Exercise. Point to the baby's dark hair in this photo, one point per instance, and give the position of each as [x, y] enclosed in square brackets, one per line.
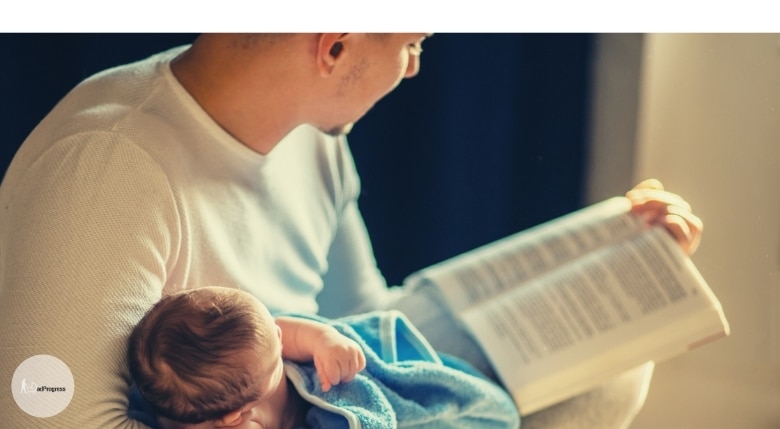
[182, 354]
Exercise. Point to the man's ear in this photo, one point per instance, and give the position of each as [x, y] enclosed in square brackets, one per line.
[231, 419]
[330, 48]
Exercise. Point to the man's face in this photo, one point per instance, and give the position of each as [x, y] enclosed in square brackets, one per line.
[375, 65]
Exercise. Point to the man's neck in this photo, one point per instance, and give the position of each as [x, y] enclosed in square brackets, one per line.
[250, 99]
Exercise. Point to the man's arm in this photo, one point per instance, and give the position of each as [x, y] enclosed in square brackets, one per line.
[353, 283]
[336, 357]
[83, 255]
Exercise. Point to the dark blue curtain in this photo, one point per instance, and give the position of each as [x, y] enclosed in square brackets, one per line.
[489, 139]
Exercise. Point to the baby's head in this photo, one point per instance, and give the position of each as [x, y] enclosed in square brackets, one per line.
[188, 355]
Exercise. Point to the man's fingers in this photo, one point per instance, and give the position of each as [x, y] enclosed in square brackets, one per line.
[679, 230]
[657, 206]
[685, 227]
[650, 184]
[652, 199]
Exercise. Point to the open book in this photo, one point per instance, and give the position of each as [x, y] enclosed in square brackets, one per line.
[571, 303]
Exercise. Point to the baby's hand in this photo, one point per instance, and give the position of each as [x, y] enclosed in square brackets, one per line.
[337, 358]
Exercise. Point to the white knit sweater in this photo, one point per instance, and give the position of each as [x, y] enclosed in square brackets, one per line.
[128, 190]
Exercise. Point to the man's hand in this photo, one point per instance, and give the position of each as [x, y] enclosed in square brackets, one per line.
[337, 358]
[657, 206]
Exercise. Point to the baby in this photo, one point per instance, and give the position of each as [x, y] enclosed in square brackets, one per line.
[212, 358]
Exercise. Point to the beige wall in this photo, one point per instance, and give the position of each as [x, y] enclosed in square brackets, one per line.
[709, 128]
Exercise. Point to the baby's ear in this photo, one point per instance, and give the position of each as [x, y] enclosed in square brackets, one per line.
[231, 419]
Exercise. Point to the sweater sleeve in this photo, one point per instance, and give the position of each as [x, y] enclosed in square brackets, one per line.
[85, 247]
[353, 282]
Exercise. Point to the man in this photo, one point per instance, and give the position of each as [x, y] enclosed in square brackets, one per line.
[219, 164]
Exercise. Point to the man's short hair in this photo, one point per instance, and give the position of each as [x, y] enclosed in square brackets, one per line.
[182, 354]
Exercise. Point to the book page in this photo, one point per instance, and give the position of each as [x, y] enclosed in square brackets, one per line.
[487, 271]
[586, 311]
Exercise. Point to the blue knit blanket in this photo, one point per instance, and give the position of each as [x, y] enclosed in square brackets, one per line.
[406, 384]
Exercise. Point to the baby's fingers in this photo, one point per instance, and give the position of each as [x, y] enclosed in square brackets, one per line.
[360, 360]
[341, 367]
[329, 374]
